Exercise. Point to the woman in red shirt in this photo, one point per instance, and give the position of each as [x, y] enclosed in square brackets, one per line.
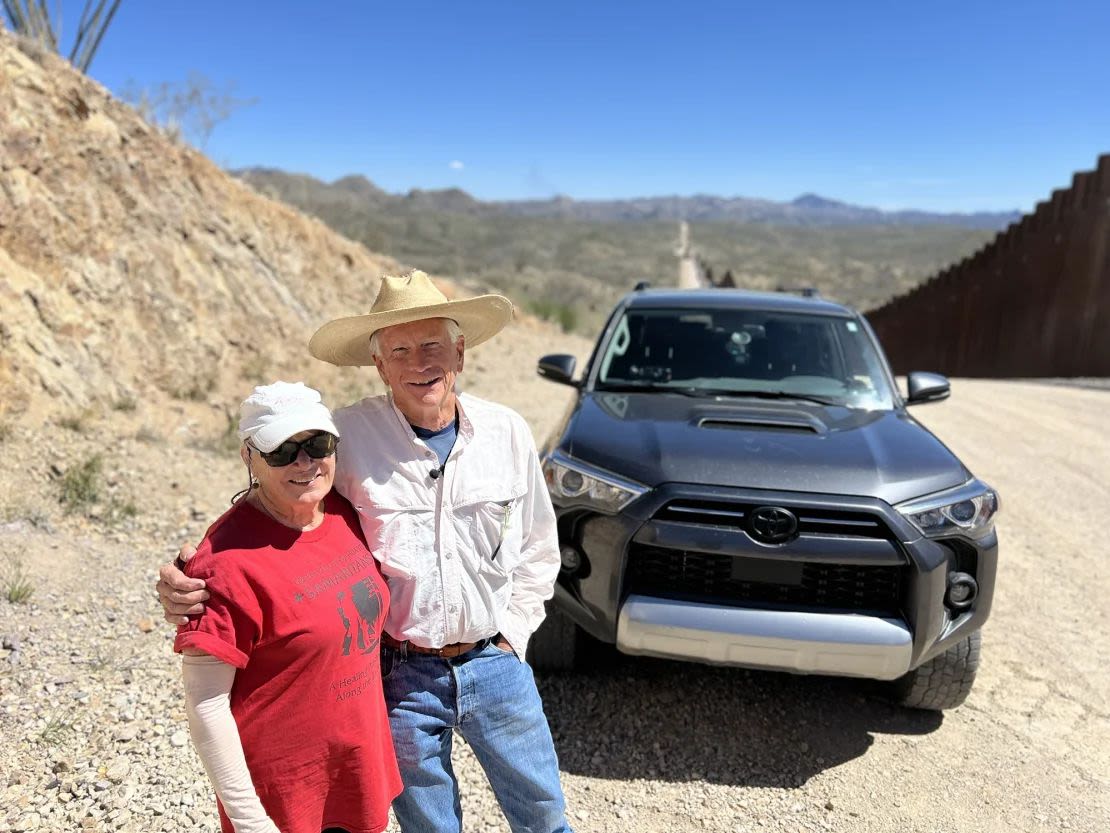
[282, 680]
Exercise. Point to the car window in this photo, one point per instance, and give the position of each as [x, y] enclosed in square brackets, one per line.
[746, 351]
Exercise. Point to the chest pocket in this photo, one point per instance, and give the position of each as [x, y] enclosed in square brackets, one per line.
[493, 520]
[402, 537]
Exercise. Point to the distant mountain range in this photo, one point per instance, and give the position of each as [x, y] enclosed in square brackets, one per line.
[806, 210]
[569, 260]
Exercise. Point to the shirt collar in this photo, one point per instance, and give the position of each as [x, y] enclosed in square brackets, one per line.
[466, 427]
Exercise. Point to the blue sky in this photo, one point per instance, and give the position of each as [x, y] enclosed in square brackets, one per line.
[949, 106]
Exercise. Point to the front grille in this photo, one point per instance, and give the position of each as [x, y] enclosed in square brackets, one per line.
[810, 521]
[770, 582]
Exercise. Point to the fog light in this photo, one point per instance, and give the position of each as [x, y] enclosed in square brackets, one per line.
[962, 590]
[571, 559]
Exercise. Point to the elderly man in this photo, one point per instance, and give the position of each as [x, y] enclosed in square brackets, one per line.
[453, 503]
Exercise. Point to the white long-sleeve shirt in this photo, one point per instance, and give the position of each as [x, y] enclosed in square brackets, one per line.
[467, 554]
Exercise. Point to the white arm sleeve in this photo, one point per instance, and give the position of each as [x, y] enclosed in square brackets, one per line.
[216, 738]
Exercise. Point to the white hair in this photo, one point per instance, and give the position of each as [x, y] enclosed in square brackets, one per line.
[453, 333]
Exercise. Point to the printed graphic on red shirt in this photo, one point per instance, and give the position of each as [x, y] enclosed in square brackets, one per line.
[360, 609]
[366, 600]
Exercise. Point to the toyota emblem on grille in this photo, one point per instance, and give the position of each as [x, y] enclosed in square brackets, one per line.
[773, 524]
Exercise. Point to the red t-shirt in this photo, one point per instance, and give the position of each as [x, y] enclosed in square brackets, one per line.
[300, 615]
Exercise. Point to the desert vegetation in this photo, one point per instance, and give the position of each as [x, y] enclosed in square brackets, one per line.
[15, 580]
[36, 22]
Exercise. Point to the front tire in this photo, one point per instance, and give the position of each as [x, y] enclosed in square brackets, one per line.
[561, 645]
[944, 681]
[554, 645]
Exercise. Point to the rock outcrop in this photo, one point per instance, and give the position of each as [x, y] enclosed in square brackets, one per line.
[133, 269]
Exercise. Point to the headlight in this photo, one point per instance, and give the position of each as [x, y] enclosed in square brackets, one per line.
[574, 482]
[965, 510]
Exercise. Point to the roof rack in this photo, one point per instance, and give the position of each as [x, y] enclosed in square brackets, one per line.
[804, 291]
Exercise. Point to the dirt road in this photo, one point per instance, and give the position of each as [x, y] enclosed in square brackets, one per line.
[94, 736]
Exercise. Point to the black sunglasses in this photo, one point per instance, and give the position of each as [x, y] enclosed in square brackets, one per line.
[318, 446]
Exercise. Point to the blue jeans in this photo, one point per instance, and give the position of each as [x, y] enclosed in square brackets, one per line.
[490, 698]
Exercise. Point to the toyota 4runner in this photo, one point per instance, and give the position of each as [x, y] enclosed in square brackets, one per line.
[739, 482]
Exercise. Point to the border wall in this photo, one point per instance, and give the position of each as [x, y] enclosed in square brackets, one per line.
[1033, 302]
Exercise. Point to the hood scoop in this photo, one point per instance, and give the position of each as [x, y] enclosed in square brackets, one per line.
[794, 423]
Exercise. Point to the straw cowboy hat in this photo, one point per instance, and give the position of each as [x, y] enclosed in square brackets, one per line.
[412, 297]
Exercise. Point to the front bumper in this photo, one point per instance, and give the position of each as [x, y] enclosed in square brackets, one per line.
[784, 640]
[656, 585]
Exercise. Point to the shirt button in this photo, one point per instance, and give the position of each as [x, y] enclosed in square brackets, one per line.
[448, 555]
[452, 609]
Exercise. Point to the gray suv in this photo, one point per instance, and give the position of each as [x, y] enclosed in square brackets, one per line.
[739, 482]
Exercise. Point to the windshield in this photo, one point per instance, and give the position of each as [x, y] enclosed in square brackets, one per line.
[734, 352]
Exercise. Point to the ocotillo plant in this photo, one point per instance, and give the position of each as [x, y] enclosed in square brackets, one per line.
[33, 20]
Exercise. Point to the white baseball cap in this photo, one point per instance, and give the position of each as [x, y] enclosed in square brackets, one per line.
[274, 413]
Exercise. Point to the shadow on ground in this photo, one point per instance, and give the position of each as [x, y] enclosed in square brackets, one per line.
[670, 721]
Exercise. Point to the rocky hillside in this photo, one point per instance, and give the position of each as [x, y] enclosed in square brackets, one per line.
[143, 292]
[134, 270]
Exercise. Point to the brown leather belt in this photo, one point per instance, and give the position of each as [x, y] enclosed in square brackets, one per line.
[446, 652]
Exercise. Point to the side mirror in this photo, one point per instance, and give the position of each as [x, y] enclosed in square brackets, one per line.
[558, 367]
[926, 387]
